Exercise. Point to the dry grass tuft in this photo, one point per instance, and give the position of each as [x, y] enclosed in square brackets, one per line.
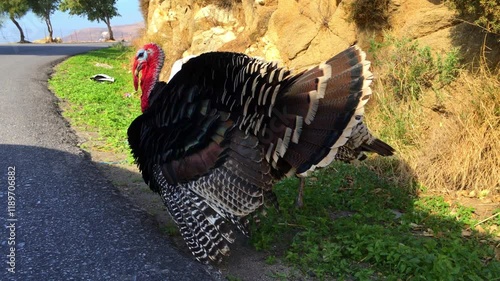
[447, 136]
[225, 4]
[463, 151]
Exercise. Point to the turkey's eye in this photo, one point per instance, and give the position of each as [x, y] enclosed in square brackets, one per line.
[141, 54]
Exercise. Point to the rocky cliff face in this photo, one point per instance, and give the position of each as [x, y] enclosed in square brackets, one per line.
[297, 33]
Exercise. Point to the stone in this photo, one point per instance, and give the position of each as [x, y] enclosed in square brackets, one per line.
[290, 30]
[210, 40]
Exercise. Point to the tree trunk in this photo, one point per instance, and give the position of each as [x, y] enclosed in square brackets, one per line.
[49, 27]
[108, 23]
[20, 29]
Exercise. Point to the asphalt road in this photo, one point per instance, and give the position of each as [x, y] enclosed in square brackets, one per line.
[63, 220]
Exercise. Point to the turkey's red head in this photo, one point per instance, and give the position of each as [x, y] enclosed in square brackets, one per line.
[148, 60]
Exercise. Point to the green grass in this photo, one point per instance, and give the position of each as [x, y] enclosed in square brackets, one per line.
[354, 225]
[105, 109]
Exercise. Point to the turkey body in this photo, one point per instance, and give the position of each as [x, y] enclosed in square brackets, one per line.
[215, 138]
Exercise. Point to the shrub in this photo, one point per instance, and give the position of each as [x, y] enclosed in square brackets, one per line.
[371, 14]
[485, 13]
[411, 69]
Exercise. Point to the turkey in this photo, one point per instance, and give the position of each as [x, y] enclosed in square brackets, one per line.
[226, 127]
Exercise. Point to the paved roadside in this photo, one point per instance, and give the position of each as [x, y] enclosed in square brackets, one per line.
[66, 220]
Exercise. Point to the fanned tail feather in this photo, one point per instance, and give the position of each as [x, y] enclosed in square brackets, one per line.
[330, 100]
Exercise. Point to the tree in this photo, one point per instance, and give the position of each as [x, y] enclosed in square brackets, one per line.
[2, 16]
[43, 9]
[95, 10]
[15, 9]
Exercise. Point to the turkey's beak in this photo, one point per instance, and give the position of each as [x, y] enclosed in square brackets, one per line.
[137, 69]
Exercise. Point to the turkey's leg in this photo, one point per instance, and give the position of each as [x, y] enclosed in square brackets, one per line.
[300, 197]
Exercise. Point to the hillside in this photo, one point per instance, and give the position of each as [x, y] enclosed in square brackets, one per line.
[121, 32]
[302, 33]
[436, 100]
[437, 85]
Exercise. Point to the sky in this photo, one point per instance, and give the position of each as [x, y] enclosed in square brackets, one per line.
[64, 24]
